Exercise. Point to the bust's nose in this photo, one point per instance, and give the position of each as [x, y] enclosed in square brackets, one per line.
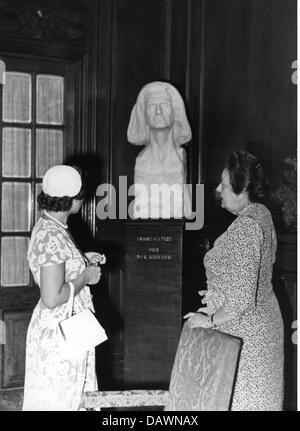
[158, 109]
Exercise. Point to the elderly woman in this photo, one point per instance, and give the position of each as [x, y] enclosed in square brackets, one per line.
[240, 299]
[52, 382]
[158, 121]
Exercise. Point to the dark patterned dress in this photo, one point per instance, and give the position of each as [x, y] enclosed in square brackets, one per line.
[239, 279]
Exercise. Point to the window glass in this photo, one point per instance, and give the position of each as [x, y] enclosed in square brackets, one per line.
[49, 149]
[17, 98]
[14, 266]
[50, 97]
[16, 152]
[15, 207]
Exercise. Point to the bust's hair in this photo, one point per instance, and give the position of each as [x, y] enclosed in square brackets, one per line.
[246, 173]
[138, 130]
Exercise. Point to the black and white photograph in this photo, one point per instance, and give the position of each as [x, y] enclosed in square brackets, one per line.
[148, 209]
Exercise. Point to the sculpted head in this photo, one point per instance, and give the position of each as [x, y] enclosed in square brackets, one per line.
[159, 106]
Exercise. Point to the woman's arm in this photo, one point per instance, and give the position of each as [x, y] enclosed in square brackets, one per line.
[201, 319]
[240, 279]
[55, 291]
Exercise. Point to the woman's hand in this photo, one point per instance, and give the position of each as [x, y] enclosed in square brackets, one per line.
[198, 320]
[96, 258]
[92, 274]
[202, 293]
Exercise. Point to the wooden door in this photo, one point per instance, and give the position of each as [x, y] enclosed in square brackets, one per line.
[36, 127]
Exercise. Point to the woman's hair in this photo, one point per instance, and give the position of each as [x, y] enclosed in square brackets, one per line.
[246, 173]
[64, 203]
[50, 203]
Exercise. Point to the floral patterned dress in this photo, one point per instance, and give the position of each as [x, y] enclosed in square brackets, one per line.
[239, 279]
[51, 382]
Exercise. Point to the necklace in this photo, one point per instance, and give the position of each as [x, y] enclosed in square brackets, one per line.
[65, 226]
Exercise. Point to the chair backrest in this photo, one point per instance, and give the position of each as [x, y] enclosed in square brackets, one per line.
[204, 370]
[202, 377]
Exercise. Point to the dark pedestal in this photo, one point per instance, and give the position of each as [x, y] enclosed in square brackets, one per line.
[142, 310]
[153, 296]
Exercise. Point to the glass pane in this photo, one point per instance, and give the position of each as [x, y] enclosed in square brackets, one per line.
[15, 207]
[14, 267]
[50, 99]
[17, 97]
[38, 189]
[49, 149]
[16, 152]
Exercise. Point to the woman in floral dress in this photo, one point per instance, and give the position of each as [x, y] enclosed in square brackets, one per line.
[239, 297]
[52, 382]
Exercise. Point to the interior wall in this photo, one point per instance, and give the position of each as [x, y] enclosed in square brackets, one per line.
[250, 103]
[250, 100]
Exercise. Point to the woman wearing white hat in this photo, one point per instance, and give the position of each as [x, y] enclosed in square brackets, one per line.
[52, 382]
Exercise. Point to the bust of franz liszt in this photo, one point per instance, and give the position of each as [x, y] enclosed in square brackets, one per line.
[158, 121]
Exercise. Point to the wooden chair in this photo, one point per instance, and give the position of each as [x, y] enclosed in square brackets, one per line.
[202, 377]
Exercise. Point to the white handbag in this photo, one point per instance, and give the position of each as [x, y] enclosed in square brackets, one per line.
[80, 332]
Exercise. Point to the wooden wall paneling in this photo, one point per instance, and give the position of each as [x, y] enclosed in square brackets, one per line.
[55, 30]
[97, 78]
[2, 342]
[194, 85]
[11, 399]
[69, 109]
[250, 100]
[91, 147]
[109, 304]
[139, 42]
[184, 68]
[177, 47]
[103, 52]
[285, 287]
[188, 71]
[16, 324]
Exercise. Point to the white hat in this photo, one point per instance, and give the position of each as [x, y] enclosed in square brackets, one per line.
[62, 180]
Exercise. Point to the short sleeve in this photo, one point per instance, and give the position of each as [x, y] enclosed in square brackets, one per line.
[243, 264]
[49, 248]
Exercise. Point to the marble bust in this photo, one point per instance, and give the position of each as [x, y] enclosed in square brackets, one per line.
[158, 121]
